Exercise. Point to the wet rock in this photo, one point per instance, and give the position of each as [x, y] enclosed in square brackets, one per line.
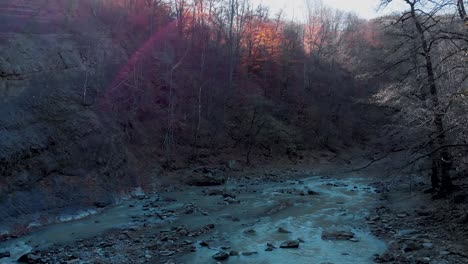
[102, 204]
[270, 247]
[250, 232]
[412, 246]
[249, 253]
[463, 219]
[290, 244]
[220, 256]
[423, 260]
[407, 232]
[206, 177]
[444, 253]
[5, 254]
[402, 215]
[423, 212]
[283, 230]
[167, 253]
[428, 245]
[225, 195]
[204, 243]
[233, 253]
[337, 235]
[230, 217]
[354, 239]
[231, 200]
[214, 192]
[384, 258]
[30, 258]
[310, 192]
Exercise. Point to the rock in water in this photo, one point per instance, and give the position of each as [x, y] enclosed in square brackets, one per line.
[337, 235]
[290, 244]
[29, 258]
[283, 230]
[221, 256]
[384, 258]
[5, 254]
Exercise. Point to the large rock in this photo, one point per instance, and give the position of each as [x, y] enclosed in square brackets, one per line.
[206, 177]
[30, 259]
[221, 256]
[290, 244]
[337, 235]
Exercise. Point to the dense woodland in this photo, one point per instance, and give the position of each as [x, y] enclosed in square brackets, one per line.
[306, 123]
[230, 75]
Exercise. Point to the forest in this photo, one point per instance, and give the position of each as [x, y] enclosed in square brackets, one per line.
[208, 131]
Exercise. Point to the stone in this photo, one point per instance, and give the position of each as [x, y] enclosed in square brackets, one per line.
[249, 253]
[423, 212]
[270, 247]
[402, 215]
[214, 192]
[29, 258]
[428, 245]
[283, 230]
[250, 232]
[310, 192]
[204, 243]
[384, 258]
[412, 246]
[167, 253]
[423, 260]
[290, 244]
[233, 253]
[206, 177]
[5, 254]
[337, 235]
[231, 200]
[221, 256]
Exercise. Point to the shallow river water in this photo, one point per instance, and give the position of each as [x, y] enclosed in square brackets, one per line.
[336, 204]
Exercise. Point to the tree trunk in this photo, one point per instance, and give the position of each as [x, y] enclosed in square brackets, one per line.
[440, 177]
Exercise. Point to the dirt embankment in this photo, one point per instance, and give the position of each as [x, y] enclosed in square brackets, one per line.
[419, 229]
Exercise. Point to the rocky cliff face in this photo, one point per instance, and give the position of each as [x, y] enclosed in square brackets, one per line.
[57, 147]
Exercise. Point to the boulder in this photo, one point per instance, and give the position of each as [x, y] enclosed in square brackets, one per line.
[29, 258]
[221, 256]
[337, 235]
[384, 258]
[5, 254]
[290, 244]
[206, 178]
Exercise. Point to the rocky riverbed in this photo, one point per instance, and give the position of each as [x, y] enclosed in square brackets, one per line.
[417, 228]
[310, 218]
